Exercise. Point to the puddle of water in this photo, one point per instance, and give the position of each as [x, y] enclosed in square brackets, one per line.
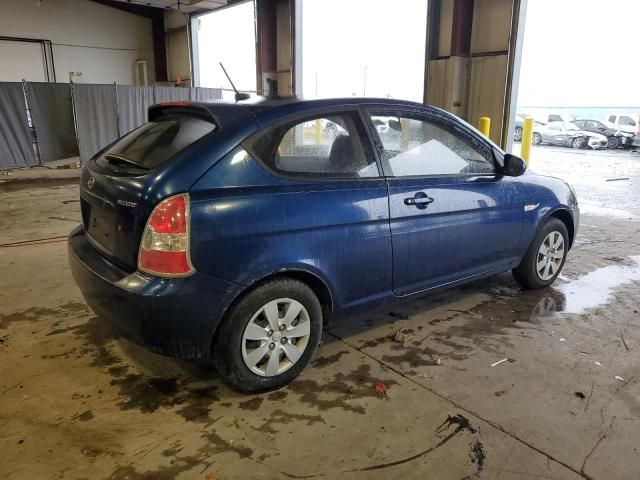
[596, 288]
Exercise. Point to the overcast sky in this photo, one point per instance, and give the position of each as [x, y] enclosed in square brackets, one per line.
[227, 36]
[581, 53]
[386, 38]
[342, 38]
[576, 52]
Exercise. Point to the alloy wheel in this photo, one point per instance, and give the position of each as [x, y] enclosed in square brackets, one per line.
[579, 142]
[276, 337]
[517, 135]
[550, 256]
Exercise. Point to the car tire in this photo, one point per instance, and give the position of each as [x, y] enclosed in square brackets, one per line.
[537, 138]
[579, 142]
[517, 134]
[539, 269]
[237, 344]
[613, 142]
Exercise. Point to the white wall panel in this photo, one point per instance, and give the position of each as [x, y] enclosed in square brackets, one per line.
[101, 42]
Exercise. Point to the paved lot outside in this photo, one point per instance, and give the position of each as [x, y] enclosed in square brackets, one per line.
[77, 401]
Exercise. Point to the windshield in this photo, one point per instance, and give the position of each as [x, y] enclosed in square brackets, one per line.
[569, 126]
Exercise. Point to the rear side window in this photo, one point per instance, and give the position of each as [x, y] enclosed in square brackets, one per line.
[328, 146]
[612, 118]
[155, 142]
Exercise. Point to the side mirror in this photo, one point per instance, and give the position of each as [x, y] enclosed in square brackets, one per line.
[514, 166]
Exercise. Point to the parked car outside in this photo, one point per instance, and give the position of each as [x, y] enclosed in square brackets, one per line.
[552, 116]
[628, 122]
[333, 129]
[567, 134]
[615, 137]
[215, 230]
[517, 133]
[381, 125]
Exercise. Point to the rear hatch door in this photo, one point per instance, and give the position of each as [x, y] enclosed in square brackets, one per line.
[122, 184]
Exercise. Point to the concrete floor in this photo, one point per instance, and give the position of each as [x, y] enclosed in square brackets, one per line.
[77, 402]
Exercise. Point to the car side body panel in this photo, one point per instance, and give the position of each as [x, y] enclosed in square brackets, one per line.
[545, 196]
[472, 227]
[252, 224]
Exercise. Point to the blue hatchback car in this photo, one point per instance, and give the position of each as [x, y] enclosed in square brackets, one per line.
[236, 230]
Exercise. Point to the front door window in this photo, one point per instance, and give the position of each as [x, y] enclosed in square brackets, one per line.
[417, 147]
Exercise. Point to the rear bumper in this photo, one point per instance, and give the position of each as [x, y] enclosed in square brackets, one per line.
[175, 317]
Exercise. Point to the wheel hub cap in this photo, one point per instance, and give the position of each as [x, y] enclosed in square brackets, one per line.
[276, 337]
[550, 256]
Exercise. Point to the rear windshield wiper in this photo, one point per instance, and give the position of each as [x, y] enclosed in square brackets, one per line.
[114, 158]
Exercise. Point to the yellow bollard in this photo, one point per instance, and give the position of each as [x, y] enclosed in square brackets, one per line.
[527, 138]
[484, 125]
[318, 131]
[405, 126]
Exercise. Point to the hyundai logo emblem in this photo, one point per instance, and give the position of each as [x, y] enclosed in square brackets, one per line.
[91, 182]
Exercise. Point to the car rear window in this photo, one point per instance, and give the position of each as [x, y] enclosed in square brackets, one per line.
[155, 142]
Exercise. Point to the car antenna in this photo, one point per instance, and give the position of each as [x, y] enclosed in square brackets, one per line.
[239, 96]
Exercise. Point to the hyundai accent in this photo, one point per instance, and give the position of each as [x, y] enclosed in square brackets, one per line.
[237, 230]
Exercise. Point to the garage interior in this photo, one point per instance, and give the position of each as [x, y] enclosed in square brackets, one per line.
[481, 381]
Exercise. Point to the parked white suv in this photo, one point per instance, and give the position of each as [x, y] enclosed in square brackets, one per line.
[548, 117]
[627, 122]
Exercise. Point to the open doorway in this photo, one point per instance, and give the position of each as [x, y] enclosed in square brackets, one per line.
[578, 81]
[372, 48]
[226, 35]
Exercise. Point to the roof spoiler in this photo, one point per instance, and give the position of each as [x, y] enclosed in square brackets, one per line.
[188, 108]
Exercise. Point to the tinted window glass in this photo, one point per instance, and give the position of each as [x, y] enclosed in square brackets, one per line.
[420, 147]
[332, 146]
[155, 142]
[612, 118]
[627, 121]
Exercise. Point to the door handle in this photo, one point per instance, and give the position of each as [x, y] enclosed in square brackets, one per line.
[420, 200]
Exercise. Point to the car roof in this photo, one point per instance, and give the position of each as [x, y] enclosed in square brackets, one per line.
[268, 109]
[261, 103]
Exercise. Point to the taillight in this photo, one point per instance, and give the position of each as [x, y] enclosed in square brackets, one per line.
[164, 248]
